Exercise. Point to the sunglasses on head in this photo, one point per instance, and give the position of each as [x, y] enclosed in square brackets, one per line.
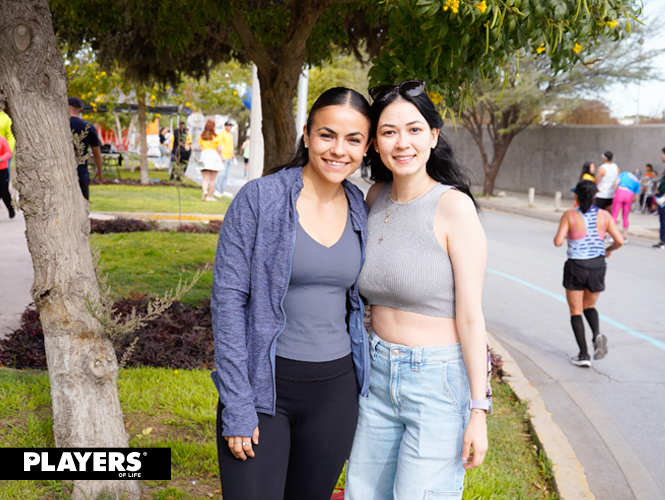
[411, 88]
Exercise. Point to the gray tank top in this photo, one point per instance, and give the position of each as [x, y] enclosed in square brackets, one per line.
[315, 302]
[407, 269]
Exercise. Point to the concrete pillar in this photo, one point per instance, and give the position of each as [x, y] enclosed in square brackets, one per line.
[255, 165]
[303, 89]
[532, 196]
[557, 201]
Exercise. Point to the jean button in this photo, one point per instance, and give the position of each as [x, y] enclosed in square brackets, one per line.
[395, 352]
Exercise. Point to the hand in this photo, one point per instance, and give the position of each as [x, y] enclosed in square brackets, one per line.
[99, 177]
[241, 447]
[475, 436]
[608, 253]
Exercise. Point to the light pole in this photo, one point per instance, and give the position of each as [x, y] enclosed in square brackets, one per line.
[639, 82]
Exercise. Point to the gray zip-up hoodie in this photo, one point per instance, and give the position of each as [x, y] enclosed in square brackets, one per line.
[251, 277]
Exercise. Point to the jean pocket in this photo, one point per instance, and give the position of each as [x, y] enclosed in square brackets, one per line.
[456, 383]
[449, 495]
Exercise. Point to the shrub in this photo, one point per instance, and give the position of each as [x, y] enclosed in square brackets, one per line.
[180, 338]
[25, 346]
[213, 227]
[120, 225]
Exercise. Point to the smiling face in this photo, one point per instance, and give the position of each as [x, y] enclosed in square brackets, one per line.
[337, 140]
[404, 139]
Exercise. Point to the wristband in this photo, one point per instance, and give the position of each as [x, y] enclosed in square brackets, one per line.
[480, 404]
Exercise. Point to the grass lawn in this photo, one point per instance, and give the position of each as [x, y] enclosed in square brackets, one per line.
[161, 199]
[176, 409]
[153, 262]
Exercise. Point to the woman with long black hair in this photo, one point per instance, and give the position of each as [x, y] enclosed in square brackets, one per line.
[423, 424]
[291, 352]
[584, 272]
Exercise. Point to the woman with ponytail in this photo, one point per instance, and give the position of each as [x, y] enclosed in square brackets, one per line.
[584, 272]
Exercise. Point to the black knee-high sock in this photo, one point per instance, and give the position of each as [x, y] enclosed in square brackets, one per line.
[578, 328]
[591, 316]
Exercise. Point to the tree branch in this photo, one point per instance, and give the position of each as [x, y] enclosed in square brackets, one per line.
[254, 50]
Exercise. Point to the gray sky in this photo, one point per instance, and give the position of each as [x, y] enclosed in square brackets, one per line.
[622, 99]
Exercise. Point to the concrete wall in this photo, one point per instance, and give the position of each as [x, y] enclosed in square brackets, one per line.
[549, 159]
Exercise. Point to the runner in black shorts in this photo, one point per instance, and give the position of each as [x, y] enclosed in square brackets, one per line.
[584, 272]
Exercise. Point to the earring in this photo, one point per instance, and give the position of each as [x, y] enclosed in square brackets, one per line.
[305, 145]
[365, 154]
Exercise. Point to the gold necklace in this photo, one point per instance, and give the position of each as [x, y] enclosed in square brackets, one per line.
[388, 215]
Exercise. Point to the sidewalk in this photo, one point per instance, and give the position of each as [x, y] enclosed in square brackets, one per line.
[641, 225]
[16, 272]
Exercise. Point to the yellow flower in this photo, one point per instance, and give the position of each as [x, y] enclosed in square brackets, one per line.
[158, 115]
[187, 104]
[482, 6]
[452, 5]
[152, 96]
[103, 73]
[611, 24]
[175, 372]
[577, 48]
[435, 97]
[541, 49]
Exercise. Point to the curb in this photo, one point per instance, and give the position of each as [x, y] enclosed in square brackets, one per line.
[639, 232]
[569, 477]
[156, 216]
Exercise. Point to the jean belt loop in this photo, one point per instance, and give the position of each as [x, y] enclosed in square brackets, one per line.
[374, 340]
[416, 358]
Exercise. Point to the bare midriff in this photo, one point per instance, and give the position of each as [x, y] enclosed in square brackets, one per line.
[413, 329]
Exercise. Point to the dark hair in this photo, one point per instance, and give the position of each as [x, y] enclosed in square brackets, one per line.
[208, 133]
[586, 192]
[337, 96]
[586, 169]
[650, 165]
[663, 150]
[442, 165]
[608, 155]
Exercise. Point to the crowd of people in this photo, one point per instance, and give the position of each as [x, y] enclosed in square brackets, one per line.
[600, 195]
[619, 191]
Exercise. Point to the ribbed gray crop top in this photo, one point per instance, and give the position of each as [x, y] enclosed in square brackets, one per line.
[408, 269]
[315, 302]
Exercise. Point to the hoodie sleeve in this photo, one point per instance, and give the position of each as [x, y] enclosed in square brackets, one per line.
[5, 150]
[230, 294]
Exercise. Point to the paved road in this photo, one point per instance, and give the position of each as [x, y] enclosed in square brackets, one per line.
[612, 413]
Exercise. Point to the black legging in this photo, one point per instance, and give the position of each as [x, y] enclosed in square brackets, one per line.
[4, 190]
[301, 449]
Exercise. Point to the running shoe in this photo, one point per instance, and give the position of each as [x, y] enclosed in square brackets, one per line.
[659, 246]
[584, 362]
[600, 345]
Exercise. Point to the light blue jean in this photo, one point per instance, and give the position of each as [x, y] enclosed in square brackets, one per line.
[408, 443]
[223, 176]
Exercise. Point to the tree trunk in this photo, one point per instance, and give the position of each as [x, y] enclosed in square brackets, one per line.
[500, 144]
[278, 124]
[278, 71]
[81, 361]
[143, 140]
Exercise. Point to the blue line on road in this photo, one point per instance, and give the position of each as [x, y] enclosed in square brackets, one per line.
[612, 322]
